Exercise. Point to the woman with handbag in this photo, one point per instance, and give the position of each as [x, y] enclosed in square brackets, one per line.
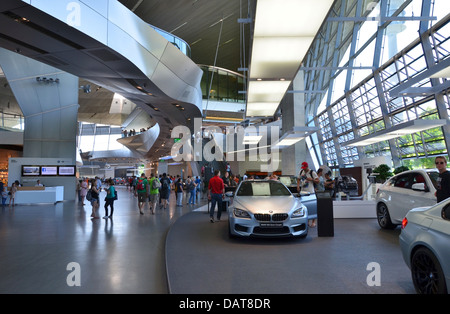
[111, 196]
[94, 198]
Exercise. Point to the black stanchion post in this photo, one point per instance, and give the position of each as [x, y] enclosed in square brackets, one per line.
[325, 218]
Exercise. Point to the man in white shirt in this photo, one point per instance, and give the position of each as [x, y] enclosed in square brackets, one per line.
[306, 179]
[305, 182]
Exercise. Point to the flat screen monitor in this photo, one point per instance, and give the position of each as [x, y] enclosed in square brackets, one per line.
[49, 170]
[66, 170]
[29, 171]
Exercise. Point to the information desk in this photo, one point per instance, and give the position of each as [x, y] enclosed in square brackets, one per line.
[36, 195]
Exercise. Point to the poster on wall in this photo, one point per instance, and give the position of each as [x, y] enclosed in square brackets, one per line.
[31, 171]
[66, 170]
[49, 170]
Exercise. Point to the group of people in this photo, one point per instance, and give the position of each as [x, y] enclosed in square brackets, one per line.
[311, 181]
[11, 193]
[90, 190]
[156, 191]
[132, 132]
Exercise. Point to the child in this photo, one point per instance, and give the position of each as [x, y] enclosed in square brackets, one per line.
[13, 193]
[4, 195]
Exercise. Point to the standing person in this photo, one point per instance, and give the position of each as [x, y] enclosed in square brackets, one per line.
[179, 189]
[226, 179]
[329, 183]
[216, 191]
[12, 193]
[192, 187]
[198, 182]
[4, 194]
[154, 184]
[98, 184]
[83, 191]
[320, 187]
[109, 199]
[95, 200]
[306, 179]
[443, 181]
[141, 192]
[165, 190]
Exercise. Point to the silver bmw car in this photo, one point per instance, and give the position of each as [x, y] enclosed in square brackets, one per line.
[425, 245]
[266, 208]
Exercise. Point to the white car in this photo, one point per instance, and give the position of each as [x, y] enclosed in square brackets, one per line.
[425, 245]
[403, 192]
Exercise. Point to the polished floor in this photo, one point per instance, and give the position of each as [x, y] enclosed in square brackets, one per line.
[360, 259]
[179, 251]
[120, 255]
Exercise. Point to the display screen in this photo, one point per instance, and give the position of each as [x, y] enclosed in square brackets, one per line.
[31, 171]
[66, 170]
[49, 170]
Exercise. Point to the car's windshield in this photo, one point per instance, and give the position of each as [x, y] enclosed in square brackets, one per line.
[262, 188]
[433, 176]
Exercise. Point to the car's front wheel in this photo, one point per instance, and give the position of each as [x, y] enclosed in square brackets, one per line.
[427, 274]
[383, 217]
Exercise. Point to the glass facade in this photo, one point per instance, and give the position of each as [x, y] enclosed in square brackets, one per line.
[12, 121]
[373, 65]
[225, 85]
[96, 137]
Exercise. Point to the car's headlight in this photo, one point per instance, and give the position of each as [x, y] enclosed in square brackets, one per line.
[240, 213]
[301, 212]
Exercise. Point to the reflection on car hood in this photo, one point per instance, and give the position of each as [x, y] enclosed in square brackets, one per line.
[264, 204]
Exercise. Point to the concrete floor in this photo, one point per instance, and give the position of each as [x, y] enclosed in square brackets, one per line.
[123, 255]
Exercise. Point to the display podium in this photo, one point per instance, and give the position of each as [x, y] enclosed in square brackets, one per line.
[325, 219]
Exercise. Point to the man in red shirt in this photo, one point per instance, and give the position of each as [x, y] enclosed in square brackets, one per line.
[216, 191]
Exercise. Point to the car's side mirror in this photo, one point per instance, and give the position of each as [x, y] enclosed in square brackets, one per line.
[446, 212]
[419, 187]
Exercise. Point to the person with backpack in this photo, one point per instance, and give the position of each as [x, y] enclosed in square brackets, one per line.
[153, 186]
[165, 190]
[191, 187]
[141, 192]
[307, 178]
[306, 181]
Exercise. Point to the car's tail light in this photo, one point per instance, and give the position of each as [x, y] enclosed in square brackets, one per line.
[404, 223]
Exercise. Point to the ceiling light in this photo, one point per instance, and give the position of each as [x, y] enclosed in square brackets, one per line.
[282, 37]
[295, 135]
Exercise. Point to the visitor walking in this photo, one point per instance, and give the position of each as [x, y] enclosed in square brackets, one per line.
[165, 190]
[111, 196]
[179, 189]
[154, 184]
[141, 192]
[216, 191]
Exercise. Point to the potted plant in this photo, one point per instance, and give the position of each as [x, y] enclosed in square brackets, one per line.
[384, 172]
[400, 169]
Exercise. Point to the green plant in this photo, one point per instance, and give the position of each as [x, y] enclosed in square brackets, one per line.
[400, 169]
[384, 172]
